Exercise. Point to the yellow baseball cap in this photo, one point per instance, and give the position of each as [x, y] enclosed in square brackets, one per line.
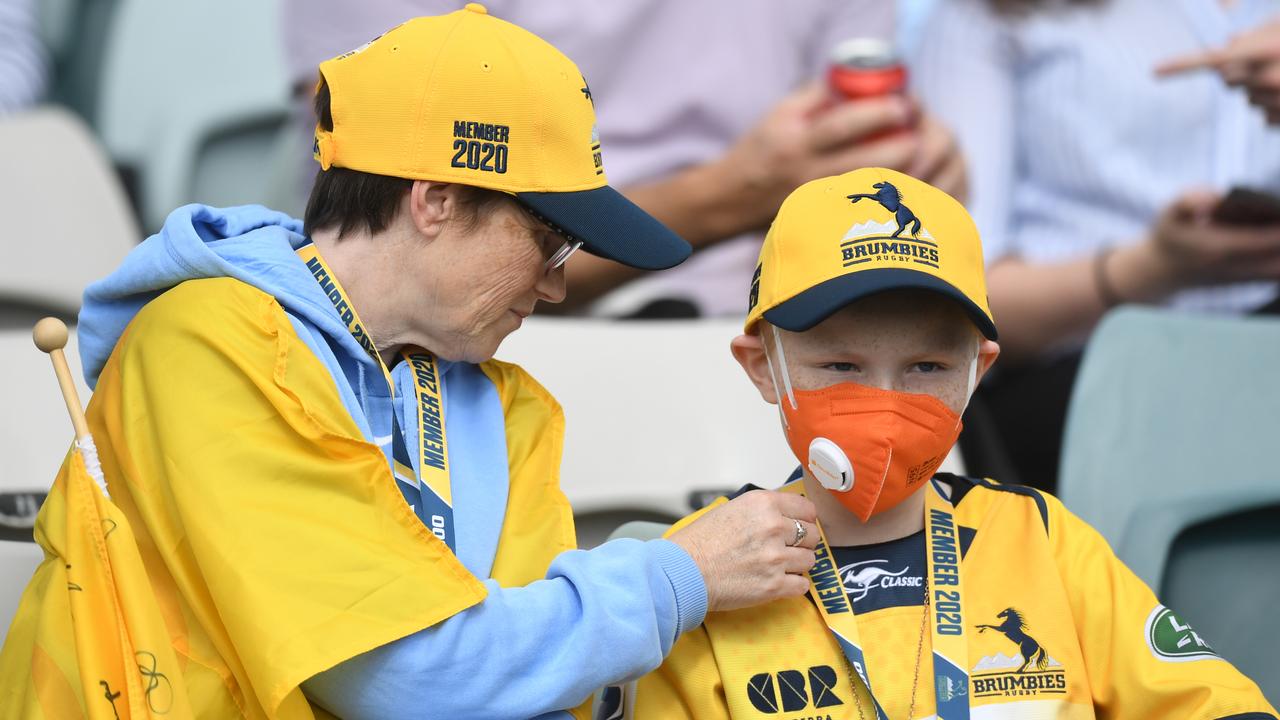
[471, 99]
[839, 239]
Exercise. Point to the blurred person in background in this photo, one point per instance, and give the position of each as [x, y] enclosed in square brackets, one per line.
[22, 58]
[1094, 181]
[339, 498]
[710, 113]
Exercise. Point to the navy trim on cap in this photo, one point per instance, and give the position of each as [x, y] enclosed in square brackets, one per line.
[816, 304]
[609, 225]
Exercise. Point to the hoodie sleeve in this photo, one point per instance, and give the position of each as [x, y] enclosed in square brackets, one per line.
[601, 616]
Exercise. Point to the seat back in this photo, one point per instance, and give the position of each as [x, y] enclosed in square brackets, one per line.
[640, 530]
[72, 33]
[66, 219]
[194, 119]
[1220, 573]
[1172, 429]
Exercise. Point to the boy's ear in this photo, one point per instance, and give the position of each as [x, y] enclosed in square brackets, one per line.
[748, 350]
[988, 351]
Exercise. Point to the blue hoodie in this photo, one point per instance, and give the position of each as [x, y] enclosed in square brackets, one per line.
[599, 617]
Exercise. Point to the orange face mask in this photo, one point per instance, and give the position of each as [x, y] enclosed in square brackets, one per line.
[871, 448]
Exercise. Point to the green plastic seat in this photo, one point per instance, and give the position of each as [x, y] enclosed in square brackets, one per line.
[1170, 452]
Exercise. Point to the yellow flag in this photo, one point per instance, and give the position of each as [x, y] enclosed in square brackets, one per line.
[88, 640]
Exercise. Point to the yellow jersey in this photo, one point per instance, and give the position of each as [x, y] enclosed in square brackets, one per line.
[1058, 628]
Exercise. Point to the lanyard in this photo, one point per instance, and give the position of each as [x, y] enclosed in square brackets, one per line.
[942, 551]
[428, 492]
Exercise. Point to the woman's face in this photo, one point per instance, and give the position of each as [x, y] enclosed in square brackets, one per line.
[485, 277]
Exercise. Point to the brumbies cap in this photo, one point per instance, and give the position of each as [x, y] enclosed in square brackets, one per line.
[468, 98]
[839, 239]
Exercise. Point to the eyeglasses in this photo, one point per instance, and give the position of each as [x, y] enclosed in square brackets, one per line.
[570, 245]
[561, 256]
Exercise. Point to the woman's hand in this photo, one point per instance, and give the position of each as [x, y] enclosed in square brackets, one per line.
[1186, 248]
[745, 549]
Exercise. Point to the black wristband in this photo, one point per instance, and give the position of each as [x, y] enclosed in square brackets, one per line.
[1106, 291]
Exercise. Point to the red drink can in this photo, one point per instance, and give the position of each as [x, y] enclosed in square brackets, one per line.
[866, 68]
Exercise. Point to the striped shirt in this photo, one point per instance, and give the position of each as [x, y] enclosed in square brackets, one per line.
[22, 62]
[1074, 144]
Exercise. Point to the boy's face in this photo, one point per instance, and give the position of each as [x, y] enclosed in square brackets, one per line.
[904, 340]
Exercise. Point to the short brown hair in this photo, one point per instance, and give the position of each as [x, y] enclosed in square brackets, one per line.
[355, 201]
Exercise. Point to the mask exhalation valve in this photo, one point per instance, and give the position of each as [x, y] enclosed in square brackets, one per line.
[830, 466]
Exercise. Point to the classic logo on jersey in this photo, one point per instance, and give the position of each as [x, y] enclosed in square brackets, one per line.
[1173, 640]
[480, 146]
[868, 241]
[861, 578]
[787, 691]
[1030, 671]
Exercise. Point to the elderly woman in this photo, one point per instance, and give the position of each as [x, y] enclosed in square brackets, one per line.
[341, 500]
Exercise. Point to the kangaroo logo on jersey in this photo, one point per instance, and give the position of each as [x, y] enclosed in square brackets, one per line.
[1030, 671]
[1172, 640]
[785, 691]
[861, 578]
[871, 240]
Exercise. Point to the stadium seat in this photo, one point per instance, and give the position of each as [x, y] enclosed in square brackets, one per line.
[656, 412]
[67, 222]
[640, 530]
[72, 31]
[1170, 453]
[18, 560]
[194, 100]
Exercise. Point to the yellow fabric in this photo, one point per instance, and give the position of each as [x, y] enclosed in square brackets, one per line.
[820, 234]
[87, 634]
[1081, 605]
[506, 110]
[274, 540]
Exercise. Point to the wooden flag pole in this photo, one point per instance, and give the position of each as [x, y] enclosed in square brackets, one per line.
[50, 335]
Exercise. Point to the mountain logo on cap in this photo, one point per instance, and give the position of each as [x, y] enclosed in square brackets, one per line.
[870, 241]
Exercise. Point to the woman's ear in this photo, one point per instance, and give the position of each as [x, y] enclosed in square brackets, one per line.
[748, 350]
[431, 205]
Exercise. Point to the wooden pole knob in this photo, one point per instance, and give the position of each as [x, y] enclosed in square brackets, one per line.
[50, 335]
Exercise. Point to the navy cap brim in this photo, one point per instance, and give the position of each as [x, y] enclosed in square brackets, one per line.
[816, 304]
[609, 225]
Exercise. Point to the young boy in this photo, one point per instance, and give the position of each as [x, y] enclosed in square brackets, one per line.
[932, 593]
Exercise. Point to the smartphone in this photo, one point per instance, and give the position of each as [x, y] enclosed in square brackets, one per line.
[1247, 207]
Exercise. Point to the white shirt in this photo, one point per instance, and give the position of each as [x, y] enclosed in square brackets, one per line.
[1073, 143]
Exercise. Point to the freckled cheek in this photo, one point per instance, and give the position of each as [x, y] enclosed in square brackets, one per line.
[953, 396]
[498, 294]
